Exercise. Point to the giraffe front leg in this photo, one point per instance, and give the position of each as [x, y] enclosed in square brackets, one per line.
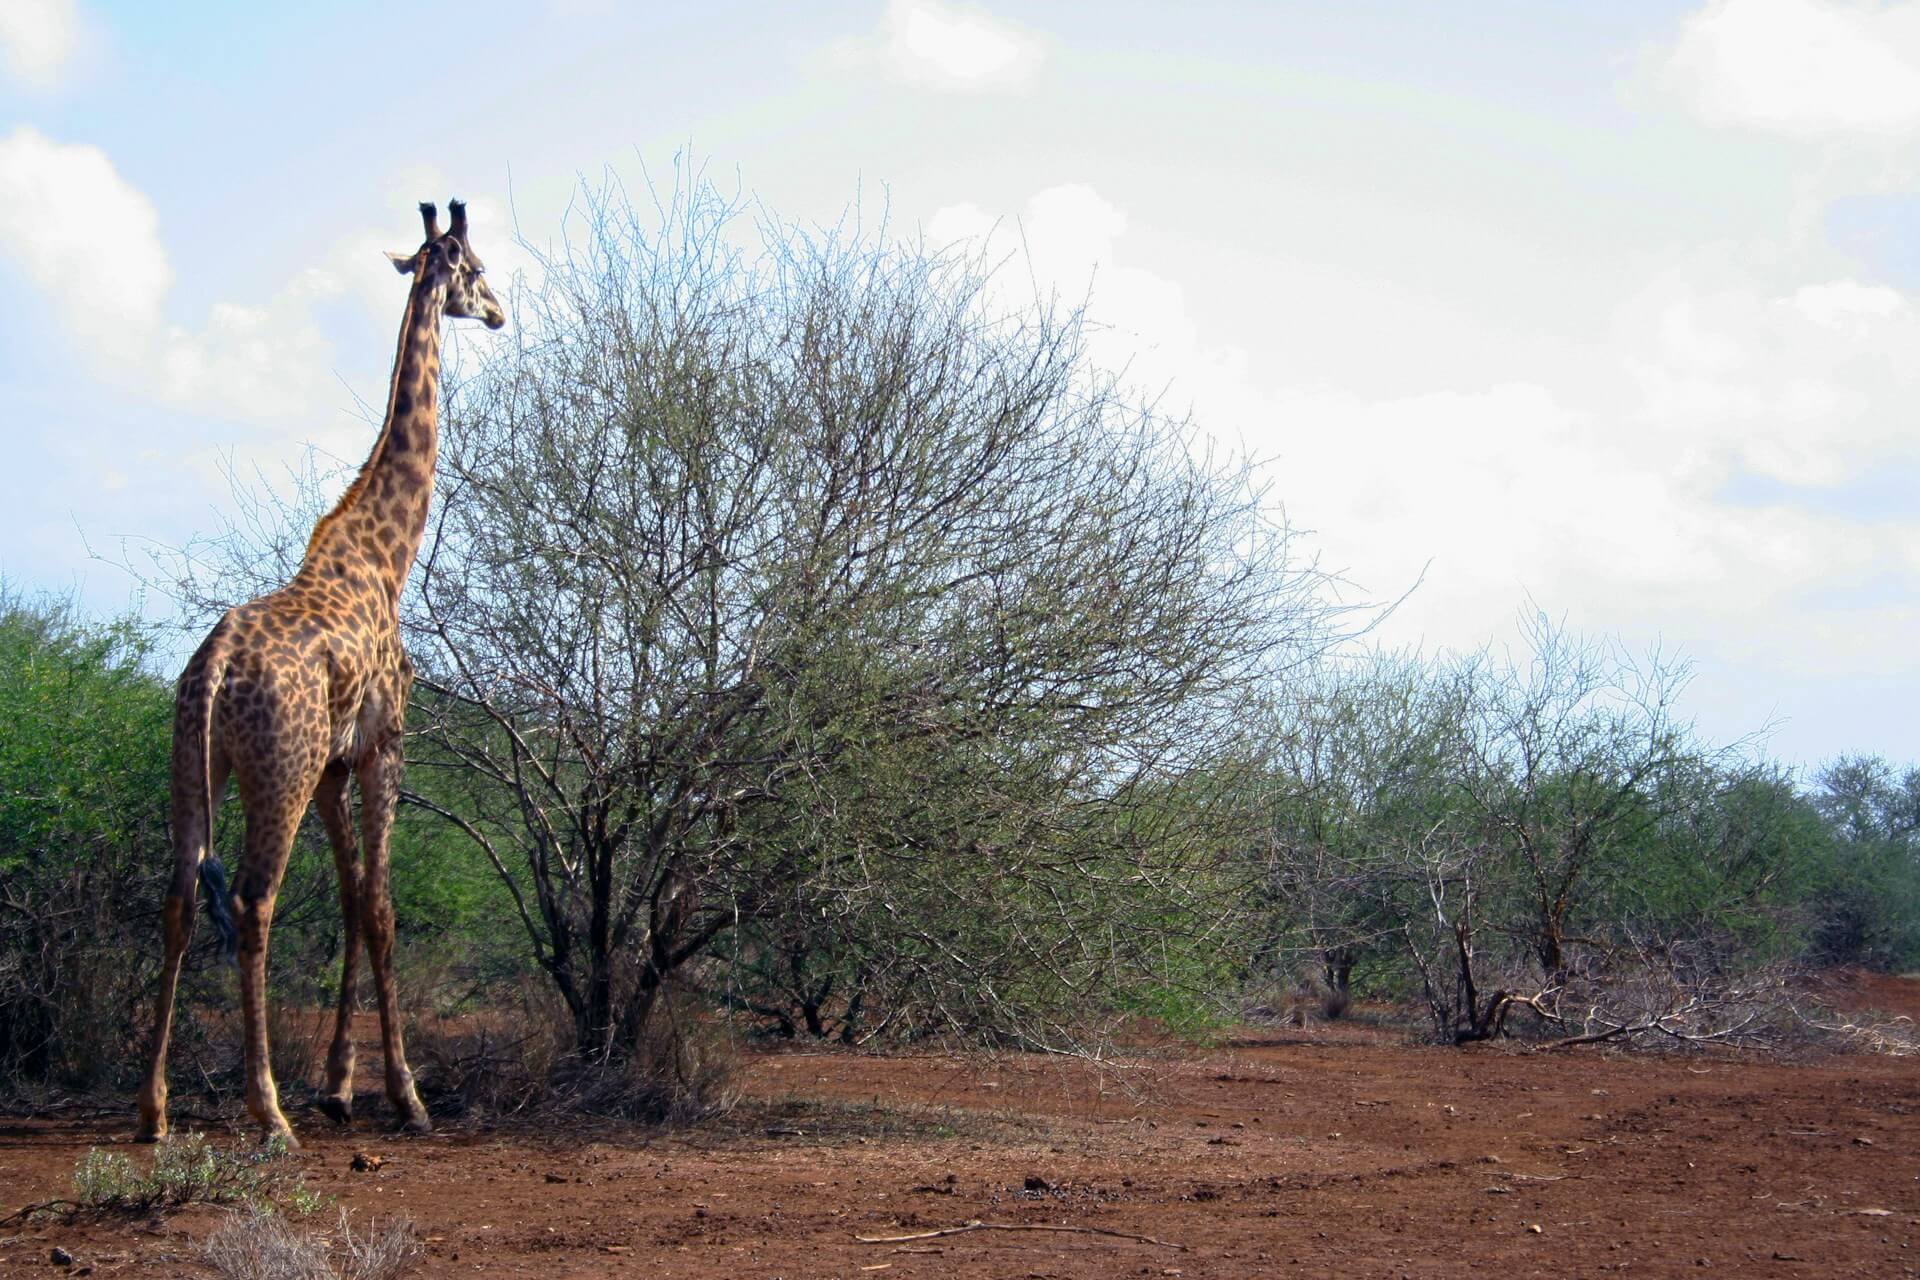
[336, 814]
[379, 794]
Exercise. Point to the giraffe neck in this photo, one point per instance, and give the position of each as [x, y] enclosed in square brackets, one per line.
[372, 534]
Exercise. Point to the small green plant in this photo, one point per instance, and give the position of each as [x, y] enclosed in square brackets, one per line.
[191, 1170]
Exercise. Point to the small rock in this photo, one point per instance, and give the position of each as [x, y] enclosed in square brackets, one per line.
[364, 1163]
[1535, 1229]
[1037, 1183]
[555, 1177]
[61, 1258]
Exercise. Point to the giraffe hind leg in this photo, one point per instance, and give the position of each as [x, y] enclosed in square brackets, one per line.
[274, 809]
[379, 794]
[177, 925]
[193, 836]
[336, 814]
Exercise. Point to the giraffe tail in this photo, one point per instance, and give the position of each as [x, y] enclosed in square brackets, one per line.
[213, 877]
[195, 723]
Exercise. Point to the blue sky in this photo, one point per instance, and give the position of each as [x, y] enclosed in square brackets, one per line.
[1614, 308]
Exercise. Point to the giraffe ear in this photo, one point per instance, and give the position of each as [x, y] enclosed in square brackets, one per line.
[403, 263]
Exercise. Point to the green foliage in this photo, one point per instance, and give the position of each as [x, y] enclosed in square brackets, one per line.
[1733, 858]
[188, 1170]
[85, 853]
[1492, 827]
[1867, 896]
[83, 836]
[83, 764]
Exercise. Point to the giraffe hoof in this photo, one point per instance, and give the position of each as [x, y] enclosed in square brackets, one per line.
[417, 1126]
[149, 1135]
[338, 1110]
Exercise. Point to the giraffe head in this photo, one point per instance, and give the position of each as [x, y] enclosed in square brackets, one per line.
[451, 259]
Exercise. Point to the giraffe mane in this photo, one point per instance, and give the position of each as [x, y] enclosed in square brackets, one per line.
[358, 488]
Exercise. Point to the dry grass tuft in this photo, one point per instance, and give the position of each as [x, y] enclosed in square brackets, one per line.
[265, 1246]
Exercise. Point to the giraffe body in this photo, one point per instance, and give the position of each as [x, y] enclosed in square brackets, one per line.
[296, 694]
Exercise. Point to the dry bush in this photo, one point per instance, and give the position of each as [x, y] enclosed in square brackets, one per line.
[680, 1071]
[1654, 1005]
[297, 1039]
[265, 1246]
[1282, 998]
[521, 1060]
[497, 1063]
[1894, 1037]
[209, 1042]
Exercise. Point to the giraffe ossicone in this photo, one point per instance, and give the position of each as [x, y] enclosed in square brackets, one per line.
[302, 692]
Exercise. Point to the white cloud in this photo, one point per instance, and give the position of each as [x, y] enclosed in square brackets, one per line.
[1510, 491]
[84, 234]
[1810, 386]
[1802, 68]
[936, 45]
[91, 241]
[1604, 493]
[1067, 237]
[38, 38]
[1847, 304]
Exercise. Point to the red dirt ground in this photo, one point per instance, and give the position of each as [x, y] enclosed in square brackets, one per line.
[1337, 1150]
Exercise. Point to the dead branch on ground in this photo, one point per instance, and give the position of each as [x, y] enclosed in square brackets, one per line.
[977, 1225]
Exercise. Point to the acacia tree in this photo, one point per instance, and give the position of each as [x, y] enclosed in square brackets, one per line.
[1356, 763]
[1568, 753]
[1868, 907]
[1522, 825]
[811, 580]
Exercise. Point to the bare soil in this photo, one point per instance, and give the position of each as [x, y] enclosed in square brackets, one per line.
[1330, 1150]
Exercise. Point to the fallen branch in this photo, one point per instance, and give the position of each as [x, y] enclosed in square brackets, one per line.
[27, 1213]
[977, 1225]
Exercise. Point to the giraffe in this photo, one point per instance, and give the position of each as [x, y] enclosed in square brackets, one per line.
[300, 691]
